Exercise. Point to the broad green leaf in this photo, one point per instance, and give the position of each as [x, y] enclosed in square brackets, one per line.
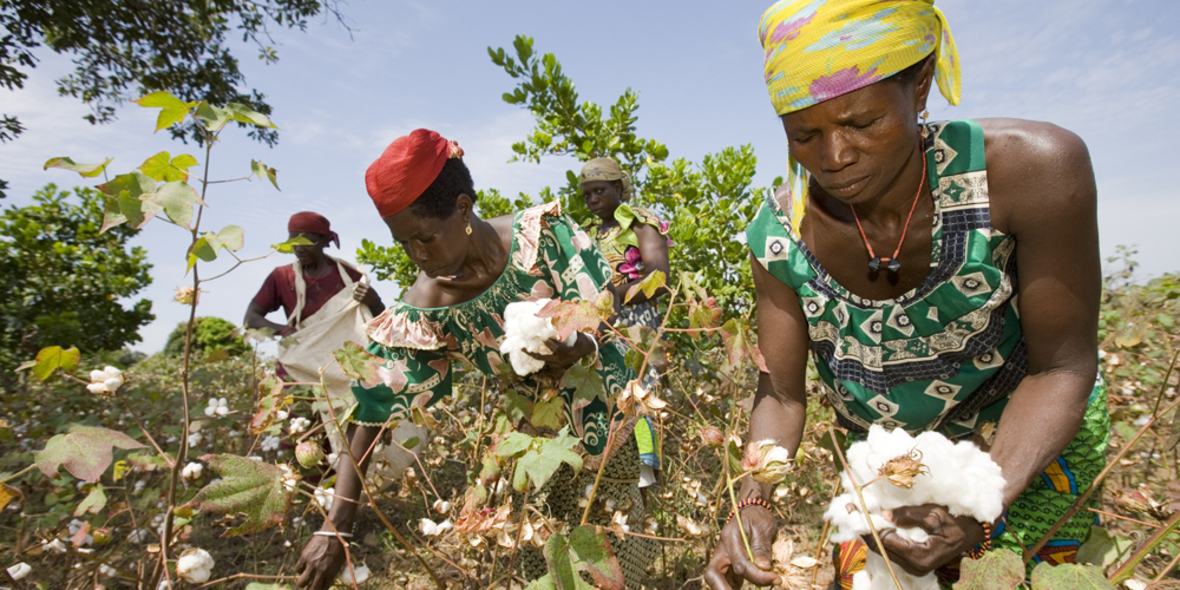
[586, 382]
[1068, 576]
[200, 249]
[262, 171]
[514, 444]
[544, 582]
[169, 117]
[253, 488]
[591, 552]
[288, 247]
[561, 567]
[51, 358]
[111, 214]
[1103, 550]
[996, 570]
[649, 285]
[128, 191]
[212, 117]
[736, 336]
[232, 237]
[271, 398]
[93, 502]
[549, 414]
[161, 99]
[570, 316]
[85, 452]
[244, 114]
[177, 198]
[358, 363]
[703, 314]
[516, 406]
[84, 170]
[162, 169]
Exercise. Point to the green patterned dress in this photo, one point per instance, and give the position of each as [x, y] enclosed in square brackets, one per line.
[550, 257]
[947, 354]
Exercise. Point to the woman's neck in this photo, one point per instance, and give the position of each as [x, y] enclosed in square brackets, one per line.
[486, 254]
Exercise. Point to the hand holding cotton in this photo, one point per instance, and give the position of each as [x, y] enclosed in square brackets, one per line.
[524, 332]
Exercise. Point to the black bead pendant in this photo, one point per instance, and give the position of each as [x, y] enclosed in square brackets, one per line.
[875, 264]
[894, 266]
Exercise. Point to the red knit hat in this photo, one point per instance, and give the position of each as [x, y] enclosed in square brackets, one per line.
[406, 169]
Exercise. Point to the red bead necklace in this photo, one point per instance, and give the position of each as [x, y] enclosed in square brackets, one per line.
[892, 263]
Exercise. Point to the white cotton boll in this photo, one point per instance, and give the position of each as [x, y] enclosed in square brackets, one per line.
[524, 332]
[194, 439]
[959, 476]
[98, 376]
[270, 443]
[19, 571]
[192, 471]
[195, 565]
[361, 574]
[97, 388]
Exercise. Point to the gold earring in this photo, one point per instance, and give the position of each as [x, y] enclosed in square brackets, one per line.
[468, 228]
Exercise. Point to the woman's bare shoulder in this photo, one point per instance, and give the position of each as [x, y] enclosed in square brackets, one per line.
[1033, 167]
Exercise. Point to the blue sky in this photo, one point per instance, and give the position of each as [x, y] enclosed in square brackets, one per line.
[1108, 70]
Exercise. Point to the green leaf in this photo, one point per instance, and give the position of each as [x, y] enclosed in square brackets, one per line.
[996, 570]
[1131, 334]
[271, 398]
[128, 191]
[248, 487]
[212, 117]
[177, 198]
[244, 114]
[232, 237]
[1068, 576]
[592, 554]
[544, 582]
[703, 314]
[561, 567]
[85, 170]
[85, 452]
[516, 406]
[358, 363]
[161, 99]
[93, 502]
[288, 247]
[549, 414]
[111, 214]
[162, 169]
[170, 116]
[586, 383]
[51, 358]
[649, 285]
[736, 336]
[260, 170]
[1103, 550]
[7, 494]
[514, 444]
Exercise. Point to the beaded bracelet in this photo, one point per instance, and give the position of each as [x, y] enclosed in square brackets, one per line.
[749, 502]
[331, 534]
[985, 545]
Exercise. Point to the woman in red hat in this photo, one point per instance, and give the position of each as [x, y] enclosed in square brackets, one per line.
[470, 269]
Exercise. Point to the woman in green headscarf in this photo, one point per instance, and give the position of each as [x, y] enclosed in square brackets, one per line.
[891, 253]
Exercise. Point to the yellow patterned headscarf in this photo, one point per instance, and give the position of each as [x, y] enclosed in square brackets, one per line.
[607, 169]
[817, 50]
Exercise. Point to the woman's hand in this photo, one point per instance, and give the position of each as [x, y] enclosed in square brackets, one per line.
[320, 563]
[564, 356]
[950, 537]
[731, 565]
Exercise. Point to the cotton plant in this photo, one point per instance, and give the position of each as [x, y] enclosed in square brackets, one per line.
[217, 407]
[107, 380]
[195, 565]
[895, 470]
[524, 332]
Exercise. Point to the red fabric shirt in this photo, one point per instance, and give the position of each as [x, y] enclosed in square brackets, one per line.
[278, 290]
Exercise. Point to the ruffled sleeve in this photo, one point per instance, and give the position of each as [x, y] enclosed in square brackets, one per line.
[408, 378]
[401, 326]
[627, 216]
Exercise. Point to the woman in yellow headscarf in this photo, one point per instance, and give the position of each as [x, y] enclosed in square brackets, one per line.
[891, 253]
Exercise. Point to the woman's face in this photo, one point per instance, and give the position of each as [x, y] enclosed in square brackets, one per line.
[309, 254]
[602, 197]
[856, 145]
[439, 247]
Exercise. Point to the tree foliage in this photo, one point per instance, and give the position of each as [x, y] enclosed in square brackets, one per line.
[210, 334]
[708, 203]
[61, 281]
[128, 49]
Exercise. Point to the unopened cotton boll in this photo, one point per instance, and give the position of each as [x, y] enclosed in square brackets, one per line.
[195, 565]
[959, 476]
[524, 332]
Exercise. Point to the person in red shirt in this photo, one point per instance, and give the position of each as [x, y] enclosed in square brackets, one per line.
[320, 275]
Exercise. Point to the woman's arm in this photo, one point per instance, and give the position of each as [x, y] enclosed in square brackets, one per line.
[653, 249]
[1042, 192]
[256, 318]
[323, 557]
[779, 413]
